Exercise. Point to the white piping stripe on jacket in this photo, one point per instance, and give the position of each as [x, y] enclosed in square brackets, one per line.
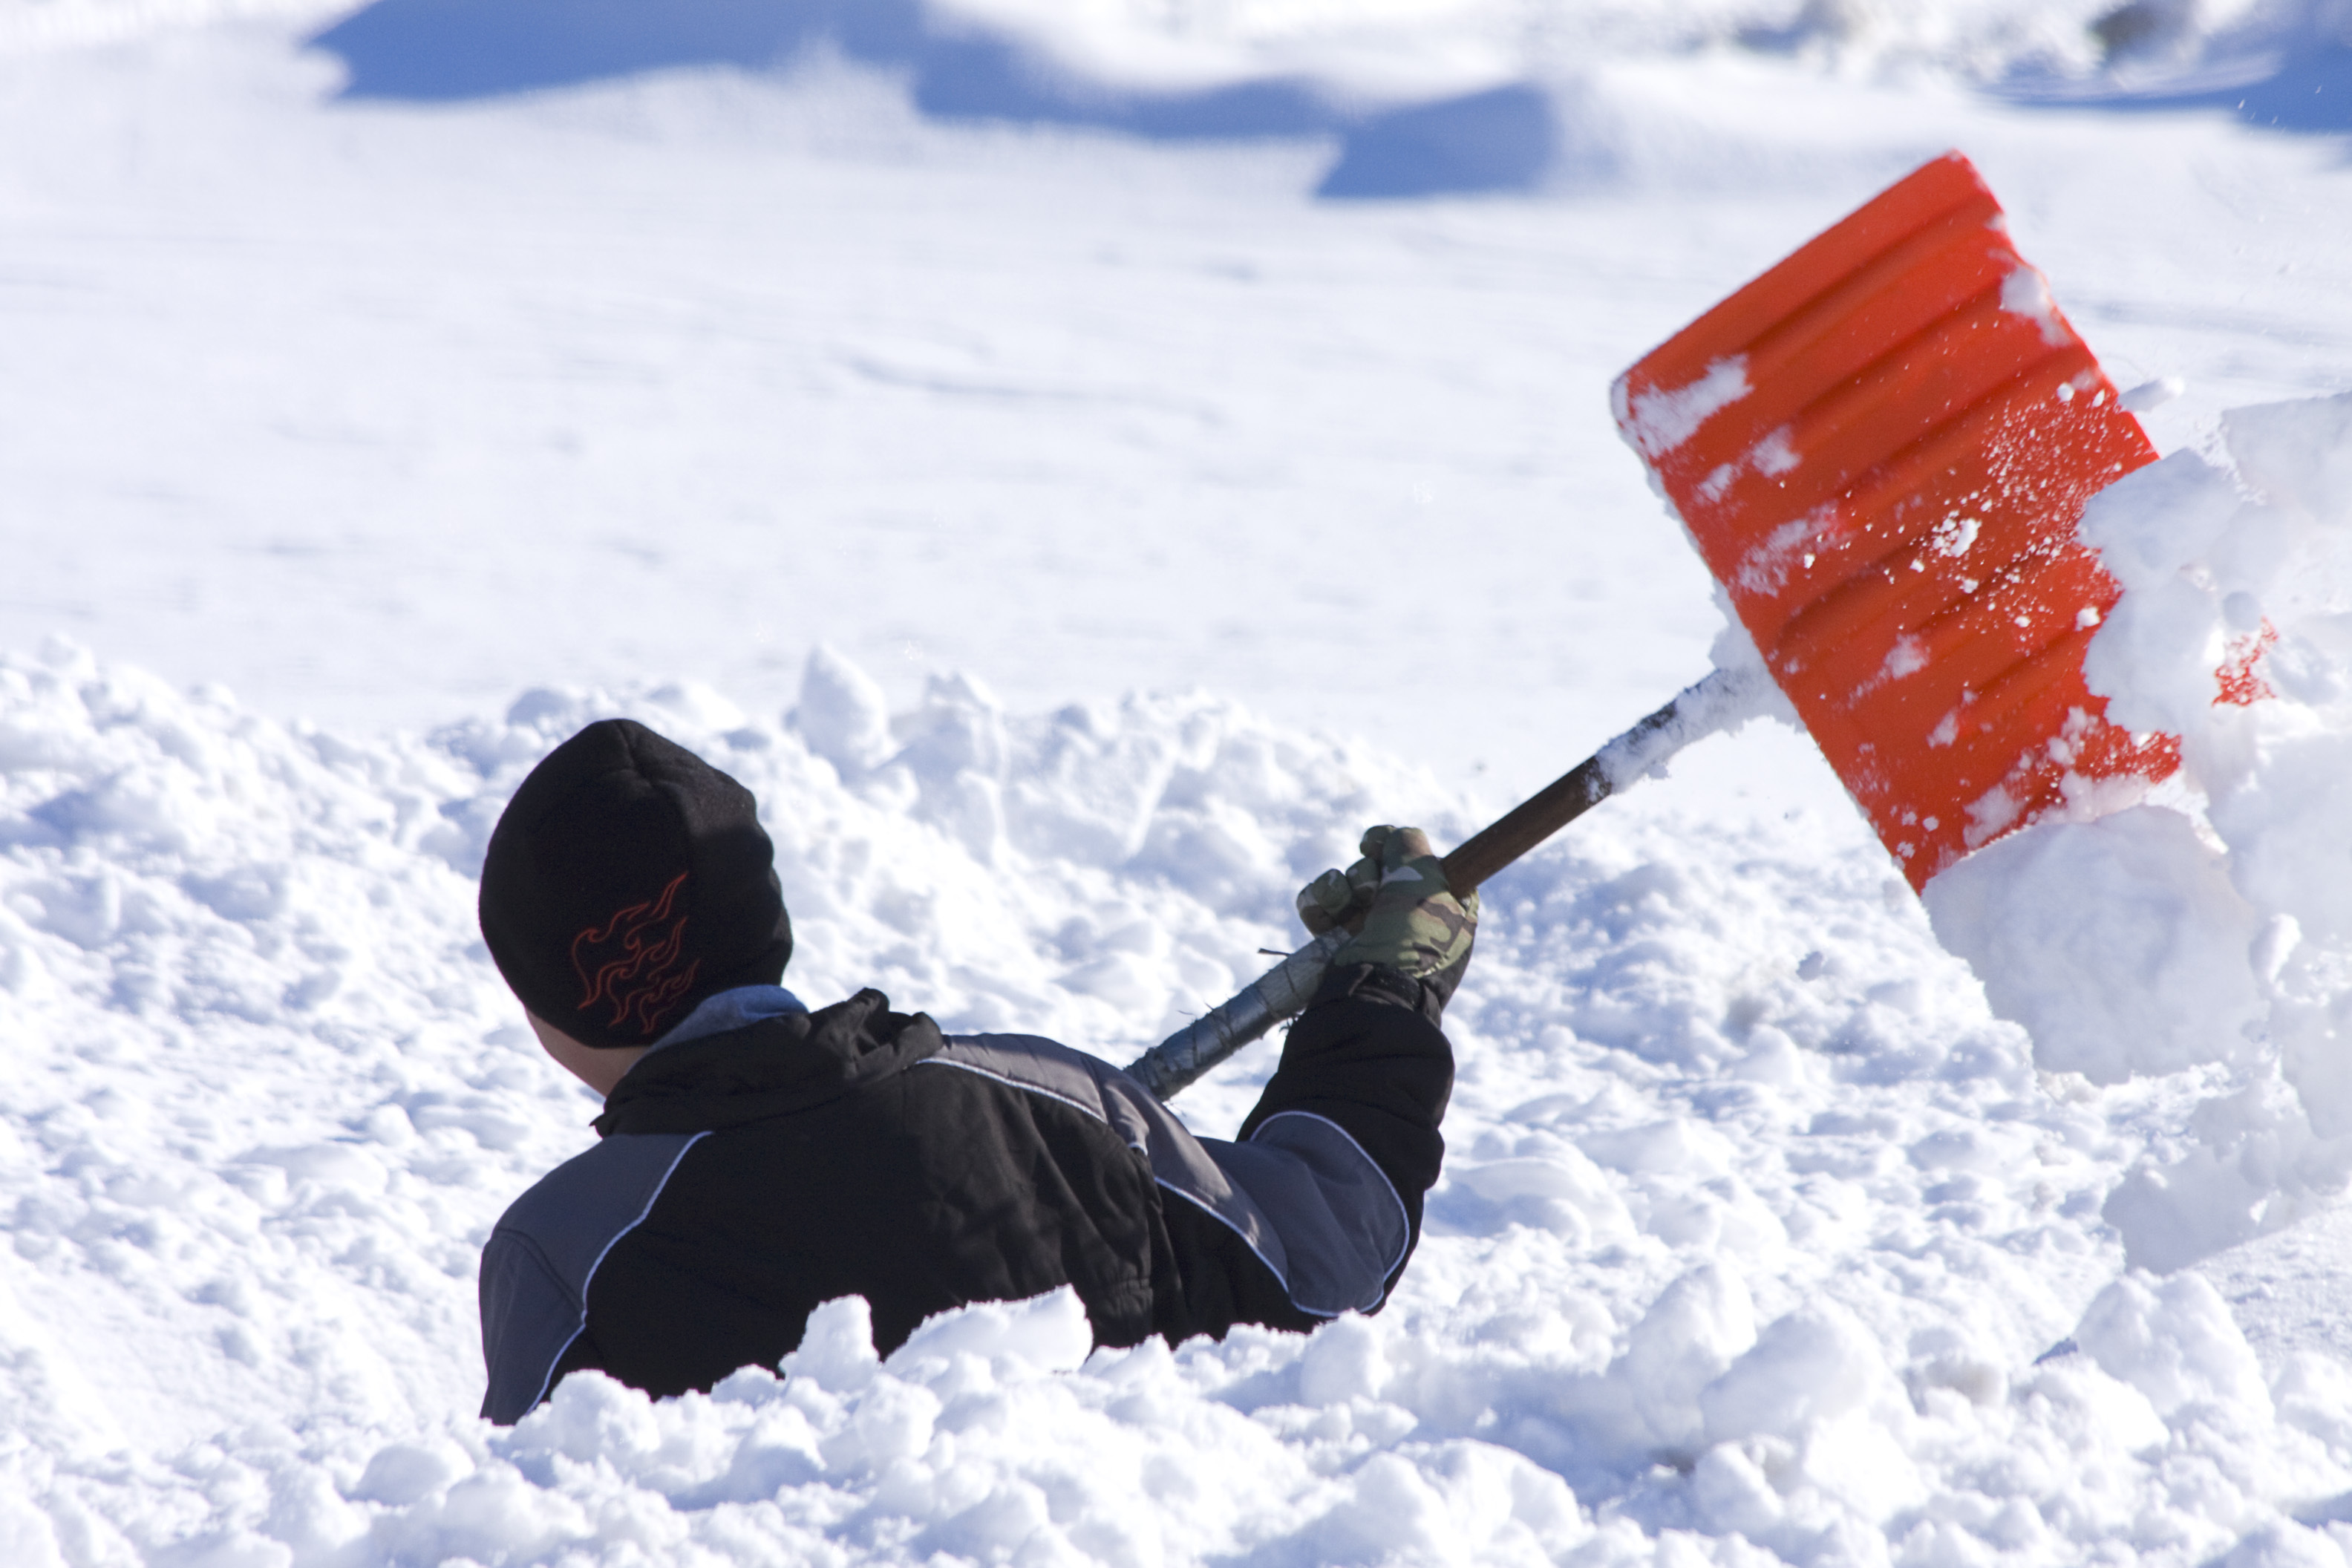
[605, 1251]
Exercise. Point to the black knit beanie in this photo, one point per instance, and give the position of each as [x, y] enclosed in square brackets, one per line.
[626, 880]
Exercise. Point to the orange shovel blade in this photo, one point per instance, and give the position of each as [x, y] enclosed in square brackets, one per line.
[1882, 448]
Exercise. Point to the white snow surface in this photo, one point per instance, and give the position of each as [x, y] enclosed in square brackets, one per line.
[1754, 1223]
[756, 404]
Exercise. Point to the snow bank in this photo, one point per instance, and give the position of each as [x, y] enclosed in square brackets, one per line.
[2216, 929]
[1422, 96]
[1978, 40]
[1149, 43]
[1753, 1226]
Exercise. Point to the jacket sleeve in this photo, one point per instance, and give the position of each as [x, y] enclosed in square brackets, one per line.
[530, 1319]
[1367, 1057]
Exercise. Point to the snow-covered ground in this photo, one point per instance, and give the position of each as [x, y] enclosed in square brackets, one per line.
[1076, 530]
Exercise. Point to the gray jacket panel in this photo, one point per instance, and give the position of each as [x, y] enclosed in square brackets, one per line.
[1343, 1226]
[539, 1261]
[1301, 1193]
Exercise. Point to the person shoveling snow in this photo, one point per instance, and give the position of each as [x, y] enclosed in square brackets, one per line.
[759, 1159]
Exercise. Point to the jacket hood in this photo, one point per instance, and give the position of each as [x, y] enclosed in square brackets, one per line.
[771, 1068]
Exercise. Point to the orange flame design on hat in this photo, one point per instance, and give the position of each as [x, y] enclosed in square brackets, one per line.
[631, 961]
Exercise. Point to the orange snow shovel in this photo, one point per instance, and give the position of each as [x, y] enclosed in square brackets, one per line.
[1882, 448]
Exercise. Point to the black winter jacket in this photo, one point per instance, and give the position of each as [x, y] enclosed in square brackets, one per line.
[745, 1177]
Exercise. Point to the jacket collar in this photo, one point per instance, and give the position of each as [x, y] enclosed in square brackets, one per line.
[726, 1010]
[772, 1066]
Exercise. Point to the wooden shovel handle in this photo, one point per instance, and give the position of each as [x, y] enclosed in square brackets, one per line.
[1529, 823]
[1702, 710]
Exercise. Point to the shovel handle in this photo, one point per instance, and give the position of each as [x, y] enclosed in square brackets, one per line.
[1724, 698]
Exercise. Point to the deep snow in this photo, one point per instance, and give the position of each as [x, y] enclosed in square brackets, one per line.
[1743, 1175]
[748, 404]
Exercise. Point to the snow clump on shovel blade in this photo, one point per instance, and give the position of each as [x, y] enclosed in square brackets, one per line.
[1659, 421]
[2212, 931]
[2119, 943]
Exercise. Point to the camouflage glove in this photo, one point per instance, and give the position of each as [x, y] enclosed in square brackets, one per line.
[1396, 901]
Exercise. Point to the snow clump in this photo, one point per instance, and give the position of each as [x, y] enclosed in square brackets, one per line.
[2211, 931]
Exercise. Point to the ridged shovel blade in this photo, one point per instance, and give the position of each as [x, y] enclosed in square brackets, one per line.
[1882, 448]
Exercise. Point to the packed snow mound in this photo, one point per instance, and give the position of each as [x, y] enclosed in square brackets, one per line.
[1753, 1226]
[1252, 68]
[1150, 43]
[1974, 40]
[2215, 930]
[1422, 97]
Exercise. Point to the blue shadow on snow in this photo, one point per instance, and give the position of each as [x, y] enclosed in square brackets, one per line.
[443, 50]
[1501, 139]
[439, 50]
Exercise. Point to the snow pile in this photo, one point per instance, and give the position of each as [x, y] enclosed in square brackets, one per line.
[1153, 43]
[1140, 39]
[1357, 54]
[968, 1444]
[2213, 932]
[264, 1073]
[1754, 1224]
[1401, 41]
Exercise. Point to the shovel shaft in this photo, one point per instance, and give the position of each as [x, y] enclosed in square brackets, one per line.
[1724, 698]
[1279, 992]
